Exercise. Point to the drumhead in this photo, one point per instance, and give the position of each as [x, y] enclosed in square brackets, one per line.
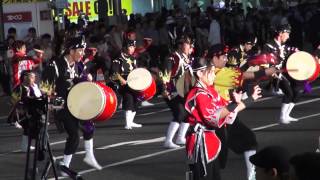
[301, 66]
[86, 100]
[139, 79]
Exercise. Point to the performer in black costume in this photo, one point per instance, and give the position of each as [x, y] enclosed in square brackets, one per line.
[121, 67]
[237, 137]
[288, 85]
[67, 75]
[178, 66]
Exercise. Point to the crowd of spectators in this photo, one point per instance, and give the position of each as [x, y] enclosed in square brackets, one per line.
[226, 25]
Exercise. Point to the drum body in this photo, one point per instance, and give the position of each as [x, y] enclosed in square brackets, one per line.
[302, 66]
[140, 81]
[181, 87]
[92, 101]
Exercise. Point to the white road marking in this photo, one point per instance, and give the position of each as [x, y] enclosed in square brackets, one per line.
[264, 127]
[136, 142]
[160, 139]
[167, 109]
[275, 124]
[160, 152]
[128, 161]
[149, 113]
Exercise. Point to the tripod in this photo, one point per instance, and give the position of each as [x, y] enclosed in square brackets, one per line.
[38, 130]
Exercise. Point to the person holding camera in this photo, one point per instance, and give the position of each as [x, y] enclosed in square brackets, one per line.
[67, 75]
[28, 90]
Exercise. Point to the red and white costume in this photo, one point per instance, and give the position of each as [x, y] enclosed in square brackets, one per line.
[21, 62]
[205, 106]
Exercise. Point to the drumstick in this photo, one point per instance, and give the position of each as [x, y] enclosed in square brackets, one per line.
[38, 50]
[289, 70]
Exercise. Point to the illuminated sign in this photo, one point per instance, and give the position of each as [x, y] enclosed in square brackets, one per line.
[20, 1]
[17, 17]
[90, 8]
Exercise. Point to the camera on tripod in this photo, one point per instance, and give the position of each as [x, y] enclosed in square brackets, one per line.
[58, 101]
[36, 114]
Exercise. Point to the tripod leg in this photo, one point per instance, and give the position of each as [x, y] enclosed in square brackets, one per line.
[35, 160]
[52, 161]
[45, 172]
[27, 160]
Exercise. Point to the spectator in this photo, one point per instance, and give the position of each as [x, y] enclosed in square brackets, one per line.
[12, 32]
[31, 38]
[214, 31]
[306, 166]
[271, 163]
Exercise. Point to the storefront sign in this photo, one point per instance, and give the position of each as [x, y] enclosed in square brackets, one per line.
[17, 17]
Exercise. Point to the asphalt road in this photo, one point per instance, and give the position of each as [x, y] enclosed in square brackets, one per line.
[138, 154]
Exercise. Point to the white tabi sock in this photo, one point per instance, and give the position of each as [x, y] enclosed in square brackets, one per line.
[67, 160]
[181, 137]
[249, 165]
[172, 129]
[291, 105]
[89, 158]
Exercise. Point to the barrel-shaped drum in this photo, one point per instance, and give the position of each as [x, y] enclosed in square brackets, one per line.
[302, 66]
[140, 81]
[92, 101]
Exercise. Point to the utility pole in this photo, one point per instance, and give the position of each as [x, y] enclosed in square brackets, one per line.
[103, 8]
[1, 23]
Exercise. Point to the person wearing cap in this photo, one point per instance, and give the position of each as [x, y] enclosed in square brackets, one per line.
[178, 66]
[288, 85]
[306, 166]
[67, 75]
[272, 162]
[121, 67]
[207, 112]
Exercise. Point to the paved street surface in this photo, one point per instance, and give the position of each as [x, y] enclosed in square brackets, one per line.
[138, 154]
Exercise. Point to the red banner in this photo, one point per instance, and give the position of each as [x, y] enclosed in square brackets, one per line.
[17, 17]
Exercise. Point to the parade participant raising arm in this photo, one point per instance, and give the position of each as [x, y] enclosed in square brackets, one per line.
[22, 62]
[208, 111]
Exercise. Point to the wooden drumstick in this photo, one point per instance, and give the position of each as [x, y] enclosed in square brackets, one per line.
[289, 70]
[38, 51]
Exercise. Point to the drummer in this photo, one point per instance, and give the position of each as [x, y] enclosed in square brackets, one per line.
[288, 85]
[67, 76]
[238, 137]
[208, 112]
[121, 67]
[178, 66]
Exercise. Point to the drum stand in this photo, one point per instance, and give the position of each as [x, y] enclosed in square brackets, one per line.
[41, 143]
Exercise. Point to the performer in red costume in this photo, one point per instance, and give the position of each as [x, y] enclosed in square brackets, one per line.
[207, 112]
[22, 62]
